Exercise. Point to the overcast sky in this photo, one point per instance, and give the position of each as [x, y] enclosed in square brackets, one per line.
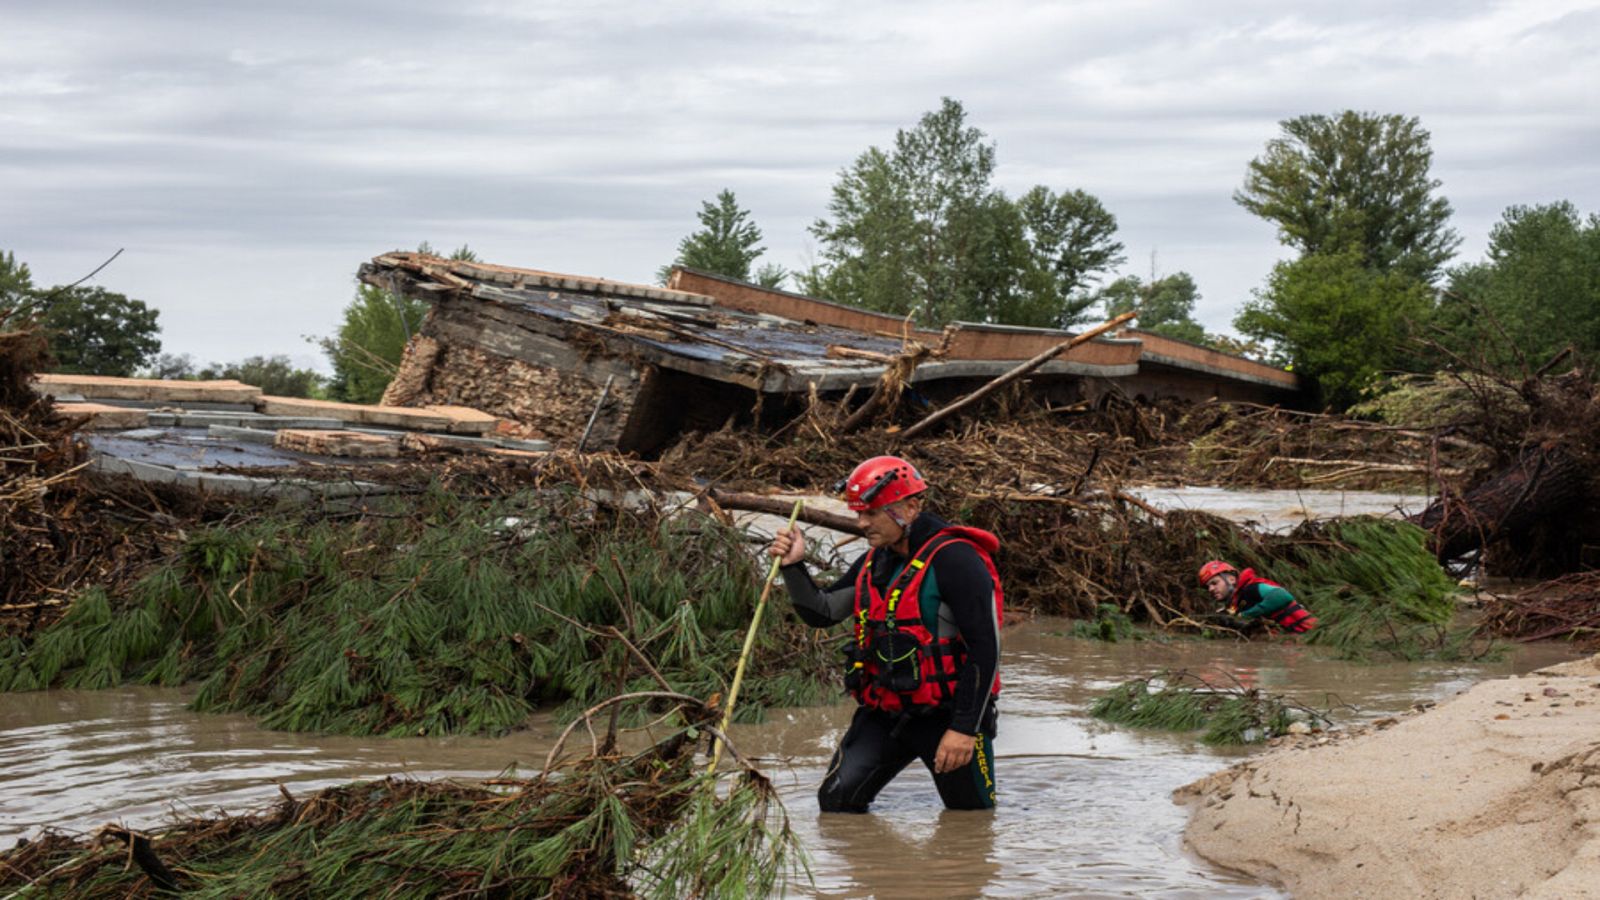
[250, 156]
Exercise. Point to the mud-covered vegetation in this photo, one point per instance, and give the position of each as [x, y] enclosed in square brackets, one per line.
[613, 825]
[1222, 713]
[430, 613]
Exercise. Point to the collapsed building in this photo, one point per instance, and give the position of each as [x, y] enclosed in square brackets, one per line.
[605, 364]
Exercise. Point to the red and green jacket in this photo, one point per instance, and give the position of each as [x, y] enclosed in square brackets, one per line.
[1255, 597]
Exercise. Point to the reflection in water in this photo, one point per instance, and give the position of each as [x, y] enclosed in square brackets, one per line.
[1085, 808]
[938, 852]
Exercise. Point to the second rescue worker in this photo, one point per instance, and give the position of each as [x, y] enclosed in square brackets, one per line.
[926, 602]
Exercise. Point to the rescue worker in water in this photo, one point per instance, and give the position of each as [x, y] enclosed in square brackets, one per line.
[925, 604]
[1251, 600]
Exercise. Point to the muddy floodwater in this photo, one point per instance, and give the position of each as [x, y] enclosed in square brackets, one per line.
[1085, 808]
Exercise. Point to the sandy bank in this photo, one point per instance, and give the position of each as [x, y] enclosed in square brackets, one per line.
[1492, 793]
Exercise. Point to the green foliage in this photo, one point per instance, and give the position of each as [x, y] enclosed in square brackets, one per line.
[94, 331]
[1377, 588]
[436, 616]
[1182, 702]
[16, 282]
[1435, 400]
[366, 351]
[649, 826]
[1354, 183]
[919, 230]
[771, 275]
[1373, 584]
[1166, 304]
[1110, 624]
[726, 243]
[1535, 292]
[726, 847]
[1337, 322]
[275, 375]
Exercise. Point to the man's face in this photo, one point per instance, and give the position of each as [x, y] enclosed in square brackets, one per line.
[880, 526]
[1221, 585]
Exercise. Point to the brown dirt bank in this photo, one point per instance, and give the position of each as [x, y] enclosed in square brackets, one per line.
[1492, 793]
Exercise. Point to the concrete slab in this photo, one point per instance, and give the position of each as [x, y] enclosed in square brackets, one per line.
[144, 434]
[253, 420]
[246, 435]
[102, 416]
[150, 473]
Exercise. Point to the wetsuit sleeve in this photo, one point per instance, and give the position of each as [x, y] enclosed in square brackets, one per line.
[967, 590]
[1269, 599]
[820, 607]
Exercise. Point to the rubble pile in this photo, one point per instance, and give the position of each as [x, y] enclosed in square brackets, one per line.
[63, 528]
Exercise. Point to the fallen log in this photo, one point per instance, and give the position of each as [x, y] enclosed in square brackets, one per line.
[1544, 482]
[1361, 464]
[782, 506]
[1021, 370]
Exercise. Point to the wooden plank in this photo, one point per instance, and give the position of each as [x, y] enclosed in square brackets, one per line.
[106, 387]
[465, 419]
[354, 444]
[101, 416]
[414, 418]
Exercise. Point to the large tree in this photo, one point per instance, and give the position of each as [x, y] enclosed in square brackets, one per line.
[727, 242]
[16, 282]
[919, 229]
[372, 338]
[1336, 321]
[1165, 304]
[94, 331]
[1536, 291]
[1354, 182]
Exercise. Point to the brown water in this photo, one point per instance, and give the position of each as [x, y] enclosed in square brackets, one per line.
[1085, 808]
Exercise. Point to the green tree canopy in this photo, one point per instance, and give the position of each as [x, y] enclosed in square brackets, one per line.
[94, 331]
[1166, 304]
[726, 243]
[275, 375]
[1336, 321]
[16, 282]
[366, 351]
[920, 230]
[1354, 182]
[1537, 290]
[371, 340]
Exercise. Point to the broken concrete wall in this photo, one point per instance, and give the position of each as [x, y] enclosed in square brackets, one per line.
[487, 356]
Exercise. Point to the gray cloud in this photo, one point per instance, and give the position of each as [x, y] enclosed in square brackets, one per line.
[250, 157]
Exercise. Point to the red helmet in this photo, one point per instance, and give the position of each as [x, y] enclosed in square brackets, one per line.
[881, 481]
[1214, 568]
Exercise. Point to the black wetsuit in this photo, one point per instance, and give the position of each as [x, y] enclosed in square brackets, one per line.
[957, 599]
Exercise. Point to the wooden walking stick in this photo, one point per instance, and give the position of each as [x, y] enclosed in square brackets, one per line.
[749, 642]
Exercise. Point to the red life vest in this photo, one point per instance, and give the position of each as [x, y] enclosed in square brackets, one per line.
[1293, 618]
[889, 628]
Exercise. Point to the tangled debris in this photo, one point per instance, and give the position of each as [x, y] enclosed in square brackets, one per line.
[650, 824]
[431, 613]
[1530, 509]
[1566, 607]
[1225, 714]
